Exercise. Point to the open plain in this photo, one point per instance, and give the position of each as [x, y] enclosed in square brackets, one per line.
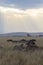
[11, 56]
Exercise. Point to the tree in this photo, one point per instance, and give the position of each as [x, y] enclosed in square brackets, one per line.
[28, 34]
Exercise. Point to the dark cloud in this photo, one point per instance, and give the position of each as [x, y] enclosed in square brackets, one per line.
[23, 3]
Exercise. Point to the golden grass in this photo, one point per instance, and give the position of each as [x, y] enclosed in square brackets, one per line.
[8, 56]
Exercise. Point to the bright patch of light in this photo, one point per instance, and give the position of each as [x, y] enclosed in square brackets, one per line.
[34, 13]
[16, 20]
[18, 12]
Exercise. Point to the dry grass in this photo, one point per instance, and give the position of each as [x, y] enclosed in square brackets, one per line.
[11, 57]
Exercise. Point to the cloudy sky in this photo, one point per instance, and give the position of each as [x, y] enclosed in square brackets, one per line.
[21, 16]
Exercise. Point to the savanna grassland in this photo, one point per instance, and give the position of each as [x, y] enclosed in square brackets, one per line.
[8, 56]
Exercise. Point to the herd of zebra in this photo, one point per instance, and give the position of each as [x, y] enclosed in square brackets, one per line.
[29, 44]
[24, 44]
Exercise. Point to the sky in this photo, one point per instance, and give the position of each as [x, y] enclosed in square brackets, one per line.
[21, 16]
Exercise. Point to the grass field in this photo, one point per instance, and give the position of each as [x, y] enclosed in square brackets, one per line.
[8, 56]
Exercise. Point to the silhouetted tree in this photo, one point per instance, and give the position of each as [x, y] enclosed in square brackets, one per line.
[28, 34]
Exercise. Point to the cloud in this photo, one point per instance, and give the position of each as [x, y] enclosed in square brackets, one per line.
[16, 20]
[22, 4]
[1, 23]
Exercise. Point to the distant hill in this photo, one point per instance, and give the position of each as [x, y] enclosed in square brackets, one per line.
[15, 34]
[22, 34]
